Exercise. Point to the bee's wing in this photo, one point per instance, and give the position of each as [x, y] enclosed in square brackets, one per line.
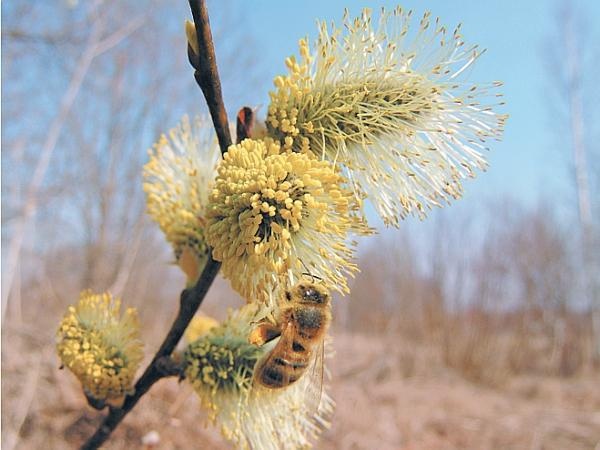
[314, 384]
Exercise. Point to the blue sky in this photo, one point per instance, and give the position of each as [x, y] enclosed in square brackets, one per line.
[528, 164]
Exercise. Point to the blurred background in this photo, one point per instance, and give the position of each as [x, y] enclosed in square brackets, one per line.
[478, 328]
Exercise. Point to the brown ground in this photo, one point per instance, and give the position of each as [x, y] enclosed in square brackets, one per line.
[389, 396]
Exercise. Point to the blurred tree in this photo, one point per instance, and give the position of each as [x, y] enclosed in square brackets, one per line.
[573, 65]
[87, 87]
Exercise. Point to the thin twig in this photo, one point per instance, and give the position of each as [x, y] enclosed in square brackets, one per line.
[189, 303]
[207, 75]
[208, 79]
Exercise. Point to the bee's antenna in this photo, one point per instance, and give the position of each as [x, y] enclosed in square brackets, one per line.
[309, 273]
[314, 277]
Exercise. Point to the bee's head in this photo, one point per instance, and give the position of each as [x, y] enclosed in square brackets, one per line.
[311, 293]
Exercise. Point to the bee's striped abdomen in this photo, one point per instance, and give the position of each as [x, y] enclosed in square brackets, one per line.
[285, 366]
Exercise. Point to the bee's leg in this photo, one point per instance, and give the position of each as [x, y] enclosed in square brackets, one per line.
[264, 333]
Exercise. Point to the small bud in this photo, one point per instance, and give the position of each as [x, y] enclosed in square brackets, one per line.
[192, 37]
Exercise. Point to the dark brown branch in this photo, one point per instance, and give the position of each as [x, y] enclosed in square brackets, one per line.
[208, 79]
[190, 301]
[206, 73]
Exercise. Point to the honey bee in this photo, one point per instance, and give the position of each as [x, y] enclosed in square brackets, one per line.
[302, 324]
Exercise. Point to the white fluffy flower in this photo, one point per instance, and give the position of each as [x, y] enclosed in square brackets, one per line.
[177, 181]
[388, 104]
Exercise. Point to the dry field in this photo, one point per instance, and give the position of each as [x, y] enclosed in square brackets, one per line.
[389, 394]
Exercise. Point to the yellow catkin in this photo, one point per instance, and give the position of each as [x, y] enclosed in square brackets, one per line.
[270, 208]
[102, 348]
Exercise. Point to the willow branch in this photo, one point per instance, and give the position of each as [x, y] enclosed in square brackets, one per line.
[207, 77]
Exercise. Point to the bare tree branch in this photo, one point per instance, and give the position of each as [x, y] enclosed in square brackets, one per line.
[575, 99]
[48, 147]
[94, 48]
[207, 75]
[189, 303]
[107, 43]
